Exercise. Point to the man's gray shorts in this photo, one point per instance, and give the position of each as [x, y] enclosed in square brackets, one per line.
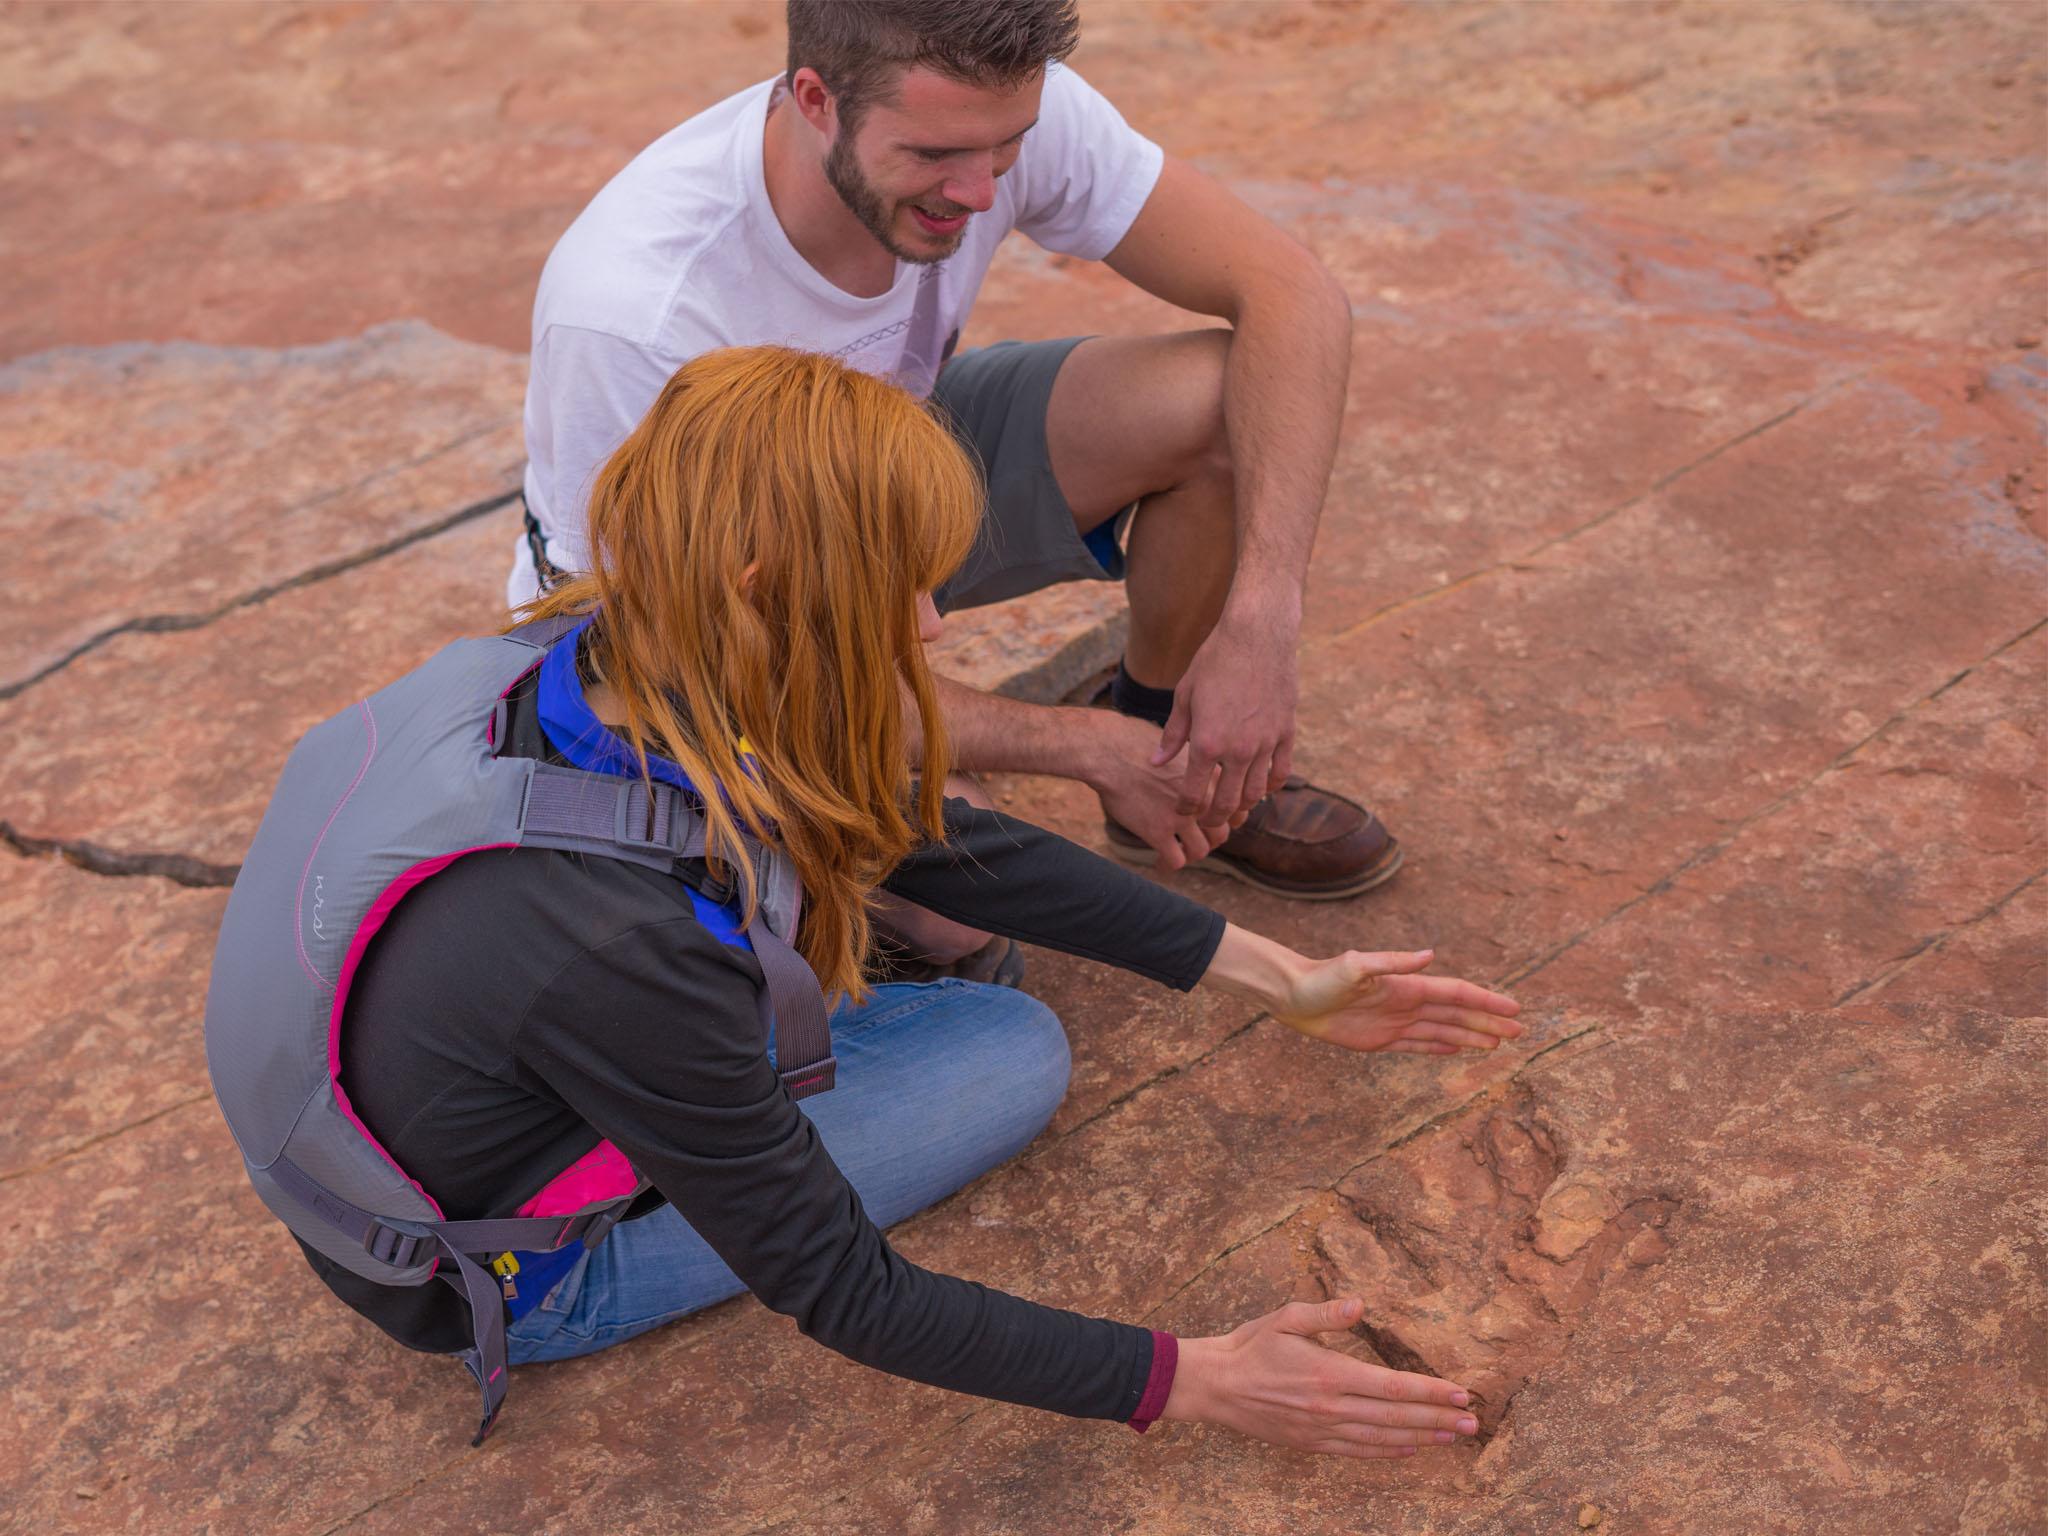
[995, 399]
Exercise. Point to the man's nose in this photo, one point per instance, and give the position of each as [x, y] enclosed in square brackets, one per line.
[975, 189]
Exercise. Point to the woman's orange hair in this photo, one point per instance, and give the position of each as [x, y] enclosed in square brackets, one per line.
[758, 546]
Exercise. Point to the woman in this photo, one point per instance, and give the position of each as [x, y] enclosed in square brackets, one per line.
[766, 542]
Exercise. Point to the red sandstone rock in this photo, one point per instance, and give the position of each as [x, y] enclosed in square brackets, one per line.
[105, 983]
[1037, 646]
[1931, 828]
[225, 703]
[1997, 959]
[149, 484]
[1808, 578]
[1805, 1277]
[1844, 153]
[1596, 254]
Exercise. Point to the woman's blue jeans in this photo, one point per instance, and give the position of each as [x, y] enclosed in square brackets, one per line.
[937, 1084]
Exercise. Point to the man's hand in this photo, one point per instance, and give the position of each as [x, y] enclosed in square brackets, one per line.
[1197, 245]
[1145, 796]
[1378, 1002]
[1110, 753]
[1233, 713]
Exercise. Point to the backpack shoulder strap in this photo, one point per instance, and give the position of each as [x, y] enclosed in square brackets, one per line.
[542, 633]
[793, 1007]
[656, 825]
[620, 817]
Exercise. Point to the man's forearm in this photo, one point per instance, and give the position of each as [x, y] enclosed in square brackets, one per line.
[1283, 405]
[1113, 754]
[992, 734]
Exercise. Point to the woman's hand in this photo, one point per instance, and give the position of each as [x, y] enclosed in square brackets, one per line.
[1378, 1002]
[1271, 1380]
[1364, 1002]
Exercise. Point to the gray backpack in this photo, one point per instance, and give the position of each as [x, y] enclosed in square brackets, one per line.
[372, 802]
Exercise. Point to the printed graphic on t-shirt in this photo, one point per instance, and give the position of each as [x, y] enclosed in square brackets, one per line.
[918, 369]
[915, 367]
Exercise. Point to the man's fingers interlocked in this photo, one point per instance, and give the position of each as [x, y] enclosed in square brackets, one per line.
[1233, 781]
[1198, 790]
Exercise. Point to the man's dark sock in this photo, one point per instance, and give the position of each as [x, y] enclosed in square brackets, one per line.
[1127, 696]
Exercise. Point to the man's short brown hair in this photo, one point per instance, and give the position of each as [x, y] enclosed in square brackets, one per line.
[858, 47]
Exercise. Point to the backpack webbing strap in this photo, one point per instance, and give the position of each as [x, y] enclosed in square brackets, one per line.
[545, 632]
[601, 813]
[485, 1357]
[598, 813]
[403, 1244]
[793, 1007]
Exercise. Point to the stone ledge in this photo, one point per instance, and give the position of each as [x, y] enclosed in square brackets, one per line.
[1039, 647]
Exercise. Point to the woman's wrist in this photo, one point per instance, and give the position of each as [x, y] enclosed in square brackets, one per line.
[1251, 965]
[1194, 1380]
[1159, 1381]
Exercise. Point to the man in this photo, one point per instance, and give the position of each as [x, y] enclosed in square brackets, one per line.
[852, 207]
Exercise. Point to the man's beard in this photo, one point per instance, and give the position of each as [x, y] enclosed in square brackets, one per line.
[876, 214]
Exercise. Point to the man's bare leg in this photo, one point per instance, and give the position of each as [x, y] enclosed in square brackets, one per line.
[1159, 402]
[1141, 419]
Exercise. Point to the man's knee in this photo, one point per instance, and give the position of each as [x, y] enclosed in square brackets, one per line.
[1208, 442]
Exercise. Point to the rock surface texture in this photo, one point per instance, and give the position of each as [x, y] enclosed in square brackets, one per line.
[1679, 603]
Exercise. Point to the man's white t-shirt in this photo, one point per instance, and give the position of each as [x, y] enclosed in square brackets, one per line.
[682, 253]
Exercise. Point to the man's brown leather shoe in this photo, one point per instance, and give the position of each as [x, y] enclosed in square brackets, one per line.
[1303, 842]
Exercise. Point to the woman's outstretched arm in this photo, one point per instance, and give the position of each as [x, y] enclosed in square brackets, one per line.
[1010, 877]
[1013, 878]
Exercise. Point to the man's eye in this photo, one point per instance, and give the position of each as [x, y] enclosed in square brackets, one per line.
[931, 156]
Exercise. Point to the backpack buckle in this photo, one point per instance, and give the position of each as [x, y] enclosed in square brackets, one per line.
[697, 875]
[646, 817]
[600, 1225]
[388, 1245]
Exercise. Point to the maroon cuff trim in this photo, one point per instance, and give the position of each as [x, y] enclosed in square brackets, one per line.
[1159, 1383]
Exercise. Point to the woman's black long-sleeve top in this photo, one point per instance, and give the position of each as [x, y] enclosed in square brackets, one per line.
[523, 1004]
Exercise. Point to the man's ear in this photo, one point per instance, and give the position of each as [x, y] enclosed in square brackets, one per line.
[814, 100]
